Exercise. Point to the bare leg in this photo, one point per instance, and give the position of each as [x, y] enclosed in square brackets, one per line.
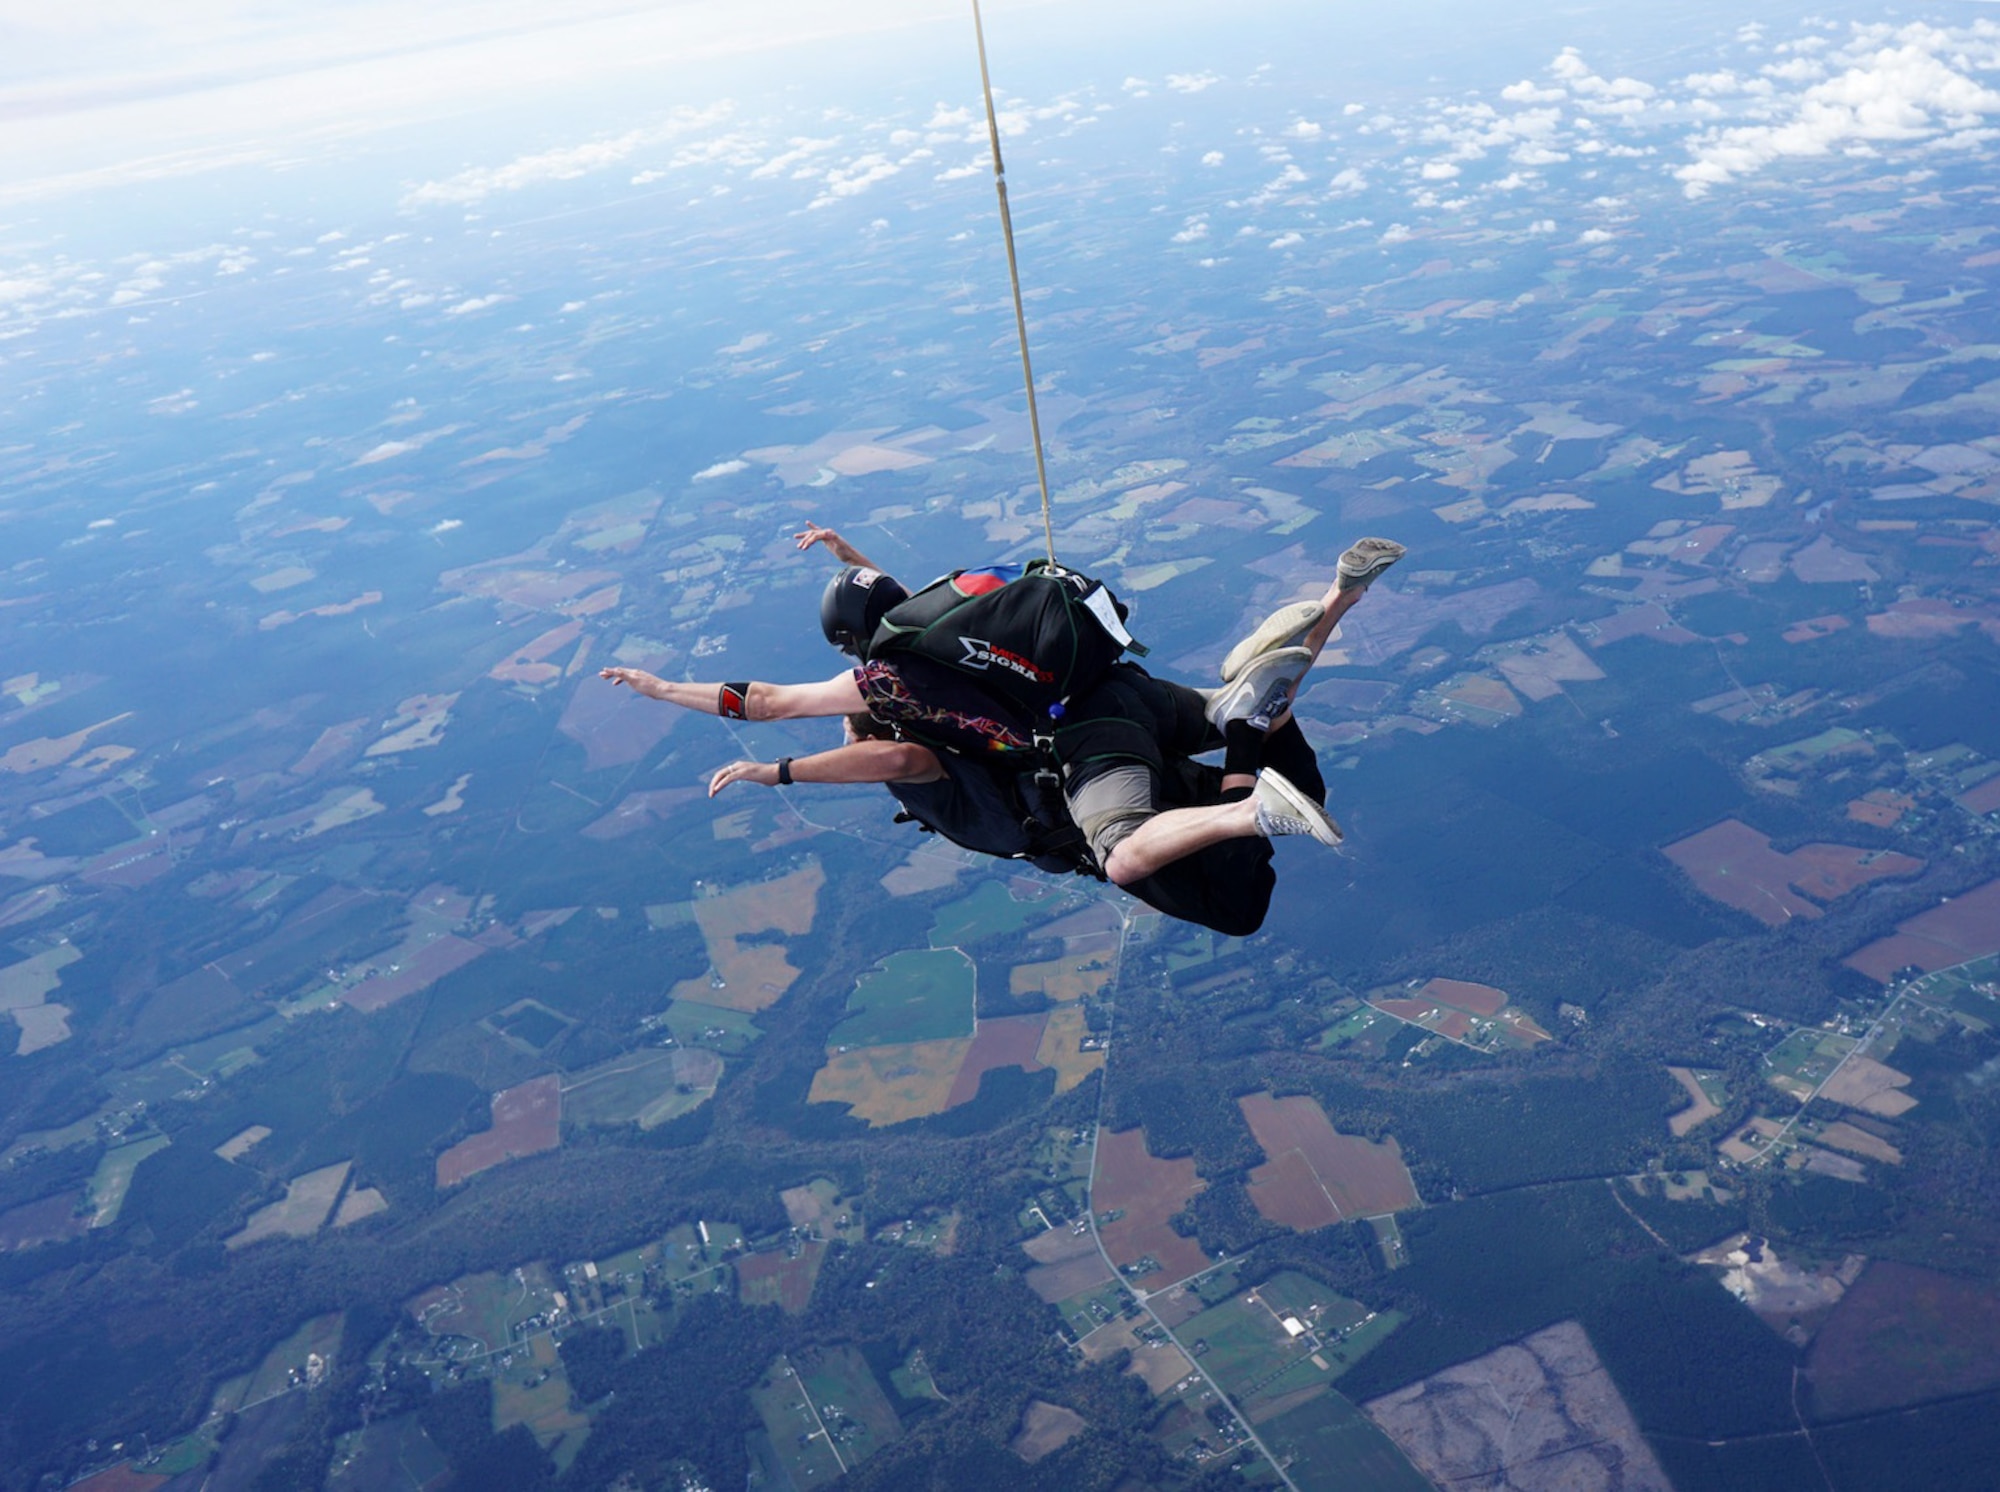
[1338, 603]
[1178, 833]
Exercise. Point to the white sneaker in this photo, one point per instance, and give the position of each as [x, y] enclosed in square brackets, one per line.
[1263, 691]
[1282, 628]
[1283, 809]
[1365, 559]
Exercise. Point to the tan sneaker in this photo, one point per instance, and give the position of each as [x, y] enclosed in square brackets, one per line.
[1364, 560]
[1263, 691]
[1282, 628]
[1283, 808]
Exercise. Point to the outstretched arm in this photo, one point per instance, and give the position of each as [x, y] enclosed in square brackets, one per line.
[839, 695]
[859, 761]
[841, 550]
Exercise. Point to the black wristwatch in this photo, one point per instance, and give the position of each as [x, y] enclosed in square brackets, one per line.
[784, 771]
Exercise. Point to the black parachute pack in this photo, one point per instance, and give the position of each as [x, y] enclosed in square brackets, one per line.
[1030, 637]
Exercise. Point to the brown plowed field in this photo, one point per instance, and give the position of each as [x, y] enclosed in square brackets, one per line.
[1316, 1175]
[1066, 1264]
[1905, 1335]
[1736, 865]
[1011, 1041]
[526, 1120]
[420, 970]
[1962, 929]
[1148, 1192]
[772, 1279]
[1462, 994]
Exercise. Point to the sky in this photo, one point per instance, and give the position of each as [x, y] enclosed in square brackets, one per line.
[104, 94]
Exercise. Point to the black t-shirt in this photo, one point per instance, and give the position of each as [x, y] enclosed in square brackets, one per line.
[969, 805]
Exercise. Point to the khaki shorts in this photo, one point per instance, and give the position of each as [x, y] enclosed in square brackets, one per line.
[1112, 804]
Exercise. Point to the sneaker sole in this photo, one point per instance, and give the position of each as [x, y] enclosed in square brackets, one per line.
[1387, 552]
[1231, 696]
[1285, 625]
[1295, 802]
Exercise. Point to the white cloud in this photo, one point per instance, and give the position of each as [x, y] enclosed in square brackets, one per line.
[1304, 129]
[1350, 110]
[721, 469]
[563, 163]
[1526, 92]
[1395, 233]
[1288, 240]
[803, 148]
[854, 178]
[1910, 84]
[1191, 82]
[1595, 236]
[1194, 230]
[1212, 158]
[1348, 180]
[959, 173]
[1438, 171]
[475, 303]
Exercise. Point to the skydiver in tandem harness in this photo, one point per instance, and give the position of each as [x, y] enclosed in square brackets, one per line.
[1105, 783]
[1016, 730]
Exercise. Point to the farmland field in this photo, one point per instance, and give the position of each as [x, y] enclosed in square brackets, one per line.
[889, 1084]
[917, 995]
[751, 977]
[307, 1201]
[646, 1088]
[797, 1451]
[1009, 1041]
[1147, 1192]
[1314, 1175]
[851, 1403]
[1071, 977]
[1706, 1095]
[534, 1391]
[1735, 865]
[1062, 1048]
[527, 1119]
[1904, 1335]
[1965, 928]
[988, 912]
[113, 1177]
[1336, 1448]
[1067, 1266]
[780, 1277]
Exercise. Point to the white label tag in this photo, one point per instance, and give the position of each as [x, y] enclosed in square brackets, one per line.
[1099, 602]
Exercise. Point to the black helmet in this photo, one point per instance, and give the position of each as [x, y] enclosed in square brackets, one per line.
[854, 601]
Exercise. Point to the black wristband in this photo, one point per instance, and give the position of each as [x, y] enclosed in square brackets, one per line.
[732, 701]
[784, 771]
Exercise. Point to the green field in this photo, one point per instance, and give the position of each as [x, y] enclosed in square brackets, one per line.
[646, 1088]
[113, 1177]
[987, 913]
[823, 1415]
[1244, 1345]
[851, 1403]
[913, 1380]
[1367, 1026]
[1334, 1447]
[1389, 1239]
[725, 1031]
[1801, 1062]
[1084, 1313]
[917, 995]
